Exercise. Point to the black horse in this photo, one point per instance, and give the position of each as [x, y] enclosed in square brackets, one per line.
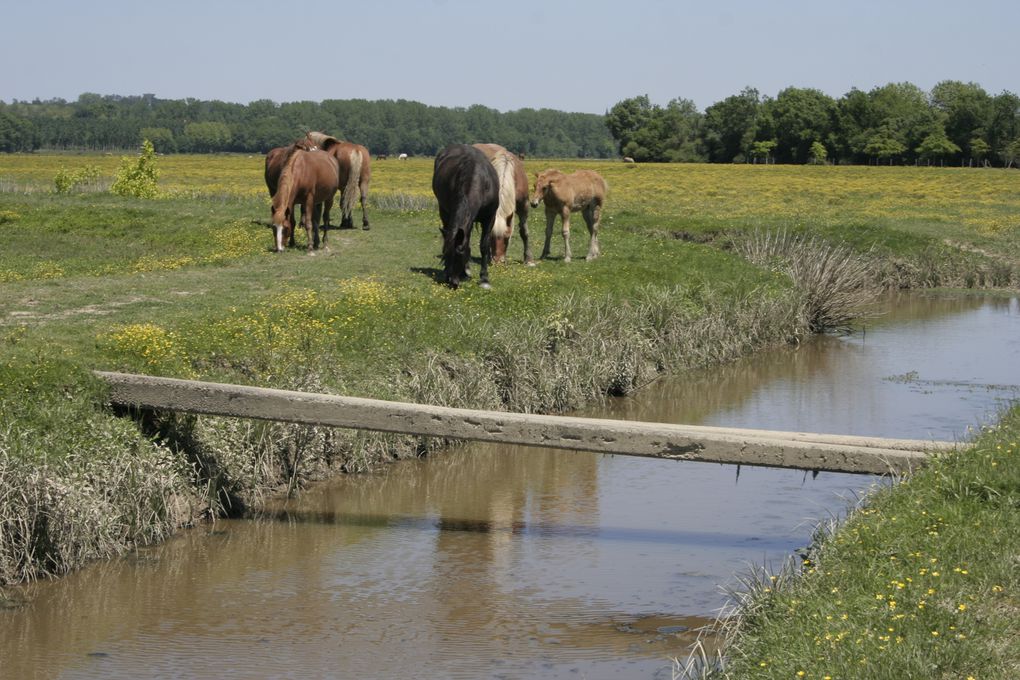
[467, 188]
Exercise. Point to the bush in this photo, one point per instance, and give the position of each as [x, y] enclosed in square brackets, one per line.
[138, 177]
[67, 181]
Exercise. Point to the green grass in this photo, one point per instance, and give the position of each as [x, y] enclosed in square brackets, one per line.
[188, 287]
[920, 582]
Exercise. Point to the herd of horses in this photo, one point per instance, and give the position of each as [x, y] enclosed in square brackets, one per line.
[480, 183]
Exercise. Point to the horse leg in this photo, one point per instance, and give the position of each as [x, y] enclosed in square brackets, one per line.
[326, 208]
[364, 215]
[311, 222]
[566, 233]
[486, 251]
[592, 217]
[522, 223]
[550, 220]
[290, 237]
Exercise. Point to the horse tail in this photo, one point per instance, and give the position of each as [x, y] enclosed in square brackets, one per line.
[349, 191]
[504, 165]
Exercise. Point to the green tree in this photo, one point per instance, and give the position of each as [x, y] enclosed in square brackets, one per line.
[967, 109]
[763, 149]
[795, 119]
[207, 136]
[818, 153]
[884, 145]
[979, 150]
[162, 138]
[137, 177]
[730, 126]
[937, 146]
[626, 120]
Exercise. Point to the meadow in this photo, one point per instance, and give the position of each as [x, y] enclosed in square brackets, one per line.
[185, 285]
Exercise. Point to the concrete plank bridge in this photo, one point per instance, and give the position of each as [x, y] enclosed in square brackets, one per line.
[799, 450]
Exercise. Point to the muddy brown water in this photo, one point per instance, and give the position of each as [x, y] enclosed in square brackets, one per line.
[507, 562]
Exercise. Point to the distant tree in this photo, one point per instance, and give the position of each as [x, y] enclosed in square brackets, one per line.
[795, 119]
[626, 120]
[966, 107]
[162, 138]
[207, 136]
[762, 149]
[16, 133]
[818, 153]
[979, 150]
[937, 146]
[1011, 153]
[1004, 123]
[730, 126]
[883, 145]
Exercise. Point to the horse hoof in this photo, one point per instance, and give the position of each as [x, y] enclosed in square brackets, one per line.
[531, 263]
[485, 284]
[365, 227]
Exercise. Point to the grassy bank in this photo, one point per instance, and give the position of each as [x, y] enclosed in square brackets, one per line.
[185, 286]
[921, 581]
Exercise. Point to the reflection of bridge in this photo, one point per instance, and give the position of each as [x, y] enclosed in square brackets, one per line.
[805, 451]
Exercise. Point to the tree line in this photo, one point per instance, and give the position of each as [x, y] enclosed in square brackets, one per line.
[110, 122]
[899, 123]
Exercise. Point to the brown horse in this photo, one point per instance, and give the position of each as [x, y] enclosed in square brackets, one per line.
[275, 160]
[355, 173]
[584, 190]
[513, 198]
[308, 178]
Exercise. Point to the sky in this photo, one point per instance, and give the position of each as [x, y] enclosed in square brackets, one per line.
[583, 55]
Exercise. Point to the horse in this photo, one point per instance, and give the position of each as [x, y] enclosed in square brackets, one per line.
[467, 188]
[513, 198]
[308, 178]
[584, 190]
[275, 160]
[355, 174]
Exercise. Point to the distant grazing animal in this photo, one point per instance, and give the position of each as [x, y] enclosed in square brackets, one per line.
[467, 189]
[381, 156]
[584, 190]
[355, 174]
[402, 157]
[308, 178]
[513, 199]
[628, 159]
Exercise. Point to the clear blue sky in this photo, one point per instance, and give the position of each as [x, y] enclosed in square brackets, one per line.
[572, 56]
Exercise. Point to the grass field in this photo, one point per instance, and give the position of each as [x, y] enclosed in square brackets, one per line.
[186, 286]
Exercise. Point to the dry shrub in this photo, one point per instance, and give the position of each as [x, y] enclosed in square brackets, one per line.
[836, 284]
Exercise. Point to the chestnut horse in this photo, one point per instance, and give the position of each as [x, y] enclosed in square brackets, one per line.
[513, 198]
[584, 190]
[308, 178]
[467, 189]
[355, 173]
[274, 160]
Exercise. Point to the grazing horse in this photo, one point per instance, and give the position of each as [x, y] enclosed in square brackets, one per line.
[355, 164]
[584, 190]
[467, 189]
[308, 178]
[513, 199]
[275, 160]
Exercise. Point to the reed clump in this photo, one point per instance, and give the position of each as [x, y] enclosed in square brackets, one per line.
[836, 283]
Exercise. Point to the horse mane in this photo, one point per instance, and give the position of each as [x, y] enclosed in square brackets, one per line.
[285, 186]
[322, 140]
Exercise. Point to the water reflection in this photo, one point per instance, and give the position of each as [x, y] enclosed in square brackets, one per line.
[492, 561]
